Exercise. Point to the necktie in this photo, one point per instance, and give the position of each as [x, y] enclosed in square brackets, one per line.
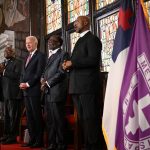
[28, 59]
[6, 62]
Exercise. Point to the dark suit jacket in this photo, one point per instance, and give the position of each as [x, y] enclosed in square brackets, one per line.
[10, 79]
[56, 77]
[32, 74]
[86, 58]
[1, 90]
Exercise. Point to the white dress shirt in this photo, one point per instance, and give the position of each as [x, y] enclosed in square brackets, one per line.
[83, 33]
[51, 52]
[32, 53]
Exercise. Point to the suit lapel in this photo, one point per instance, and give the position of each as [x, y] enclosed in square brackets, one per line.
[79, 42]
[33, 57]
[52, 58]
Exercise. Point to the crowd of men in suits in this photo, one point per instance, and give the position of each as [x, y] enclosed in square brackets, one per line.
[48, 76]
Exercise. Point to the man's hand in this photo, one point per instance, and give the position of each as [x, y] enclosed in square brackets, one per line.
[42, 81]
[43, 87]
[66, 64]
[43, 84]
[23, 86]
[2, 67]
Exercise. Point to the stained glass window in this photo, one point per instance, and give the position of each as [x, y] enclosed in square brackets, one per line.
[53, 15]
[102, 3]
[77, 8]
[73, 39]
[108, 27]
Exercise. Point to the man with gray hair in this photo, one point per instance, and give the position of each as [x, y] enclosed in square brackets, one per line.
[30, 85]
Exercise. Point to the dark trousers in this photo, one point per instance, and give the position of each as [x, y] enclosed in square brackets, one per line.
[55, 122]
[88, 110]
[12, 113]
[34, 119]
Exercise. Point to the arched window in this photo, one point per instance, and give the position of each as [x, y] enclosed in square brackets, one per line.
[102, 3]
[53, 15]
[77, 8]
[107, 29]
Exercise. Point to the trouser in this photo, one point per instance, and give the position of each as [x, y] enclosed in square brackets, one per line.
[34, 118]
[12, 113]
[55, 122]
[1, 110]
[88, 110]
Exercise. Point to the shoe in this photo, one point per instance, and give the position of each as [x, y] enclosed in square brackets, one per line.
[37, 145]
[61, 147]
[27, 144]
[51, 147]
[48, 149]
[4, 138]
[10, 141]
[43, 148]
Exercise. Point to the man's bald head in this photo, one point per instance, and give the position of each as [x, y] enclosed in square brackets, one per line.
[81, 24]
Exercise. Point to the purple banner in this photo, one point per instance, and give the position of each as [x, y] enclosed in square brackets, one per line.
[133, 123]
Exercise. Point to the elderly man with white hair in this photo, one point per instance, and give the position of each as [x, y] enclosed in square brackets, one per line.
[30, 85]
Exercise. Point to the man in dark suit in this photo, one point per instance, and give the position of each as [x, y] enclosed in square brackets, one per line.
[54, 85]
[10, 73]
[1, 92]
[1, 99]
[30, 84]
[84, 81]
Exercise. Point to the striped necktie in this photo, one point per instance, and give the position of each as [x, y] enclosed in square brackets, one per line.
[28, 59]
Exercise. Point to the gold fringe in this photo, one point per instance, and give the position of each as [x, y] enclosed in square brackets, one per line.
[106, 138]
[145, 12]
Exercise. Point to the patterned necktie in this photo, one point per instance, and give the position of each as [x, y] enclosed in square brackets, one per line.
[28, 59]
[6, 62]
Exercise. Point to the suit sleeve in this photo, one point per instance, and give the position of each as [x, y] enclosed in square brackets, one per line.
[39, 70]
[93, 47]
[14, 73]
[60, 74]
[22, 71]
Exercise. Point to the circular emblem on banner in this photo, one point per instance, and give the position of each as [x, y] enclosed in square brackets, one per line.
[136, 107]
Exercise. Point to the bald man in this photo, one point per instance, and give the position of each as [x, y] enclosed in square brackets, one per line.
[30, 85]
[10, 73]
[84, 81]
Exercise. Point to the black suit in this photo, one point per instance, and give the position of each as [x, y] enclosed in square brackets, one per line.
[84, 86]
[12, 103]
[1, 92]
[1, 100]
[31, 74]
[55, 97]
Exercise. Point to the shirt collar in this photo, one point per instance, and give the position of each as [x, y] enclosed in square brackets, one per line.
[83, 33]
[51, 52]
[32, 53]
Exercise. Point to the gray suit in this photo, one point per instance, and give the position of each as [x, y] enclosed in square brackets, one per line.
[55, 97]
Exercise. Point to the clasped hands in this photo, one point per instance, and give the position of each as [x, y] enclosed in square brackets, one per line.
[67, 64]
[2, 68]
[43, 84]
[23, 86]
